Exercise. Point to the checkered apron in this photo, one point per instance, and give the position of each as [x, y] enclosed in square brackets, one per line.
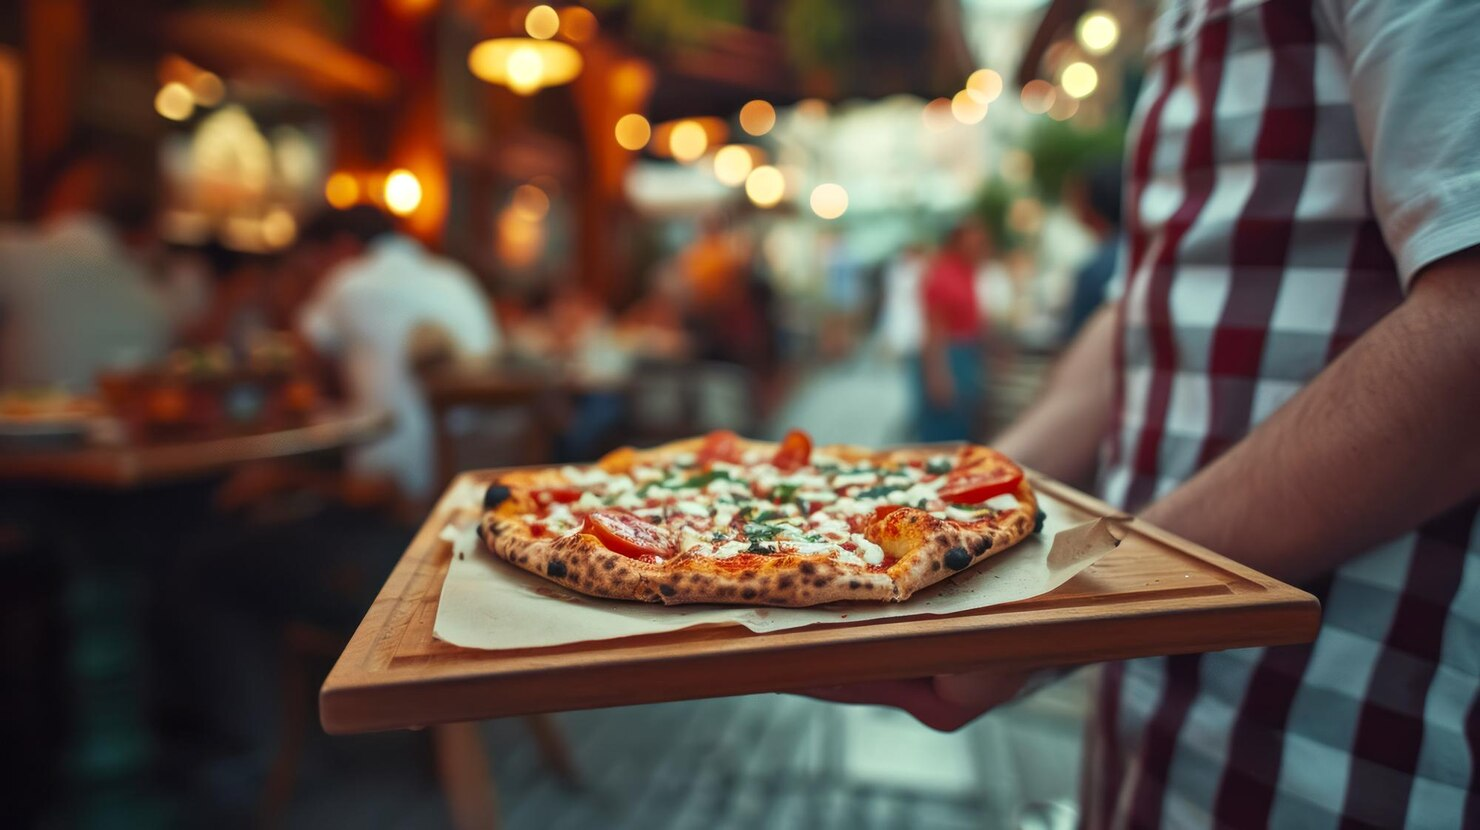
[1254, 259]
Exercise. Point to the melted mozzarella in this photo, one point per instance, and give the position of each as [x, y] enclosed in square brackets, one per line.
[871, 553]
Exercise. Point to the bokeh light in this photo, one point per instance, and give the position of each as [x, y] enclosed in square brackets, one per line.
[279, 228]
[542, 22]
[1038, 96]
[937, 115]
[757, 117]
[530, 202]
[342, 190]
[633, 131]
[688, 141]
[732, 164]
[207, 89]
[1098, 32]
[402, 192]
[829, 201]
[1063, 108]
[1079, 79]
[577, 23]
[174, 101]
[525, 69]
[986, 84]
[765, 186]
[966, 108]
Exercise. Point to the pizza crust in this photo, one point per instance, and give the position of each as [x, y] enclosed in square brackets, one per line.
[927, 549]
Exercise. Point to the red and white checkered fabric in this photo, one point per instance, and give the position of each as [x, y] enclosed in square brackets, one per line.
[1288, 176]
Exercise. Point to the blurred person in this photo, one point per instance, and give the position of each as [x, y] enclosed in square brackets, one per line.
[842, 292]
[1094, 197]
[949, 377]
[75, 298]
[1289, 374]
[365, 313]
[901, 318]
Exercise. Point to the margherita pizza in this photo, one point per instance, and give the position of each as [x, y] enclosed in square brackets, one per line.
[723, 519]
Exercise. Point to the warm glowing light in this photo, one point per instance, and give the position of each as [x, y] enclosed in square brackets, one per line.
[937, 115]
[174, 101]
[525, 70]
[829, 201]
[524, 65]
[1098, 32]
[342, 190]
[1063, 108]
[967, 109]
[402, 192]
[757, 117]
[542, 22]
[207, 89]
[1079, 79]
[732, 164]
[765, 186]
[278, 228]
[986, 85]
[530, 202]
[688, 141]
[1038, 96]
[577, 23]
[633, 131]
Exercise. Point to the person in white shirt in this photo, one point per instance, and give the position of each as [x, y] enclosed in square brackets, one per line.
[367, 311]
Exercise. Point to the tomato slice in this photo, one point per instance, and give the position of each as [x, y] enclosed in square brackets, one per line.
[795, 452]
[628, 535]
[720, 445]
[884, 510]
[982, 484]
[563, 495]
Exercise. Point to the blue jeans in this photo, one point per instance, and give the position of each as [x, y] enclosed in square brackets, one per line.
[956, 421]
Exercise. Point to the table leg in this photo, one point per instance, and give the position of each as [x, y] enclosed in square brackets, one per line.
[463, 772]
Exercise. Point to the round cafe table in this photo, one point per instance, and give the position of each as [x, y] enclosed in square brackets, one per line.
[114, 512]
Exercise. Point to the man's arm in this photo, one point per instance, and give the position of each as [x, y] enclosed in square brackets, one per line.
[1383, 439]
[1059, 434]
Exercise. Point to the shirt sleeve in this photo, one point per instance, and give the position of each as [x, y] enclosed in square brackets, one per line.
[1415, 84]
[316, 320]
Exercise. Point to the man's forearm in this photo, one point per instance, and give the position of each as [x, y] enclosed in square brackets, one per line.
[1382, 439]
[1060, 433]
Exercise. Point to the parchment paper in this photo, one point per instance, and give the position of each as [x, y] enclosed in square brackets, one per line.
[489, 604]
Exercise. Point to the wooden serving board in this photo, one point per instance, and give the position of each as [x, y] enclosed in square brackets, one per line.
[1155, 594]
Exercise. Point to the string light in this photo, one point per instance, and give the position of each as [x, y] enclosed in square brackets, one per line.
[174, 101]
[967, 109]
[1098, 32]
[1079, 79]
[633, 131]
[937, 115]
[542, 22]
[765, 186]
[402, 192]
[341, 190]
[986, 84]
[829, 201]
[1038, 96]
[688, 141]
[757, 117]
[732, 164]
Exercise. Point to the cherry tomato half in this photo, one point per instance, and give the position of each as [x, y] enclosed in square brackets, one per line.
[562, 495]
[794, 453]
[628, 535]
[884, 510]
[720, 445]
[983, 483]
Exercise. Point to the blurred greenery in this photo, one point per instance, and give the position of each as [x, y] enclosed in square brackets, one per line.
[818, 33]
[1060, 148]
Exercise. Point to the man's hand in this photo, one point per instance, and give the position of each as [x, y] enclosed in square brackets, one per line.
[946, 702]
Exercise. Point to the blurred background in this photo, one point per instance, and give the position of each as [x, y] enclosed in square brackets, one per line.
[272, 272]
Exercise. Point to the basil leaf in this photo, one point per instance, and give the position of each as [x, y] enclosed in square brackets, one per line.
[705, 479]
[785, 492]
[939, 466]
[755, 530]
[877, 491]
[768, 516]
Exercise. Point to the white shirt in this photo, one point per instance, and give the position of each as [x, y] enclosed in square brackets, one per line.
[73, 302]
[366, 312]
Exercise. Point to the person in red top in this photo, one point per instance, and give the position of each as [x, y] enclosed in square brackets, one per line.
[949, 379]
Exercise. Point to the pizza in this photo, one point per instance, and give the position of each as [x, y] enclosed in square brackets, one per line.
[723, 519]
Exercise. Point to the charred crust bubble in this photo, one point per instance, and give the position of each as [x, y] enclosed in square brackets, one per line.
[854, 584]
[784, 582]
[495, 495]
[556, 568]
[748, 593]
[979, 546]
[609, 564]
[1038, 521]
[667, 590]
[808, 568]
[958, 558]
